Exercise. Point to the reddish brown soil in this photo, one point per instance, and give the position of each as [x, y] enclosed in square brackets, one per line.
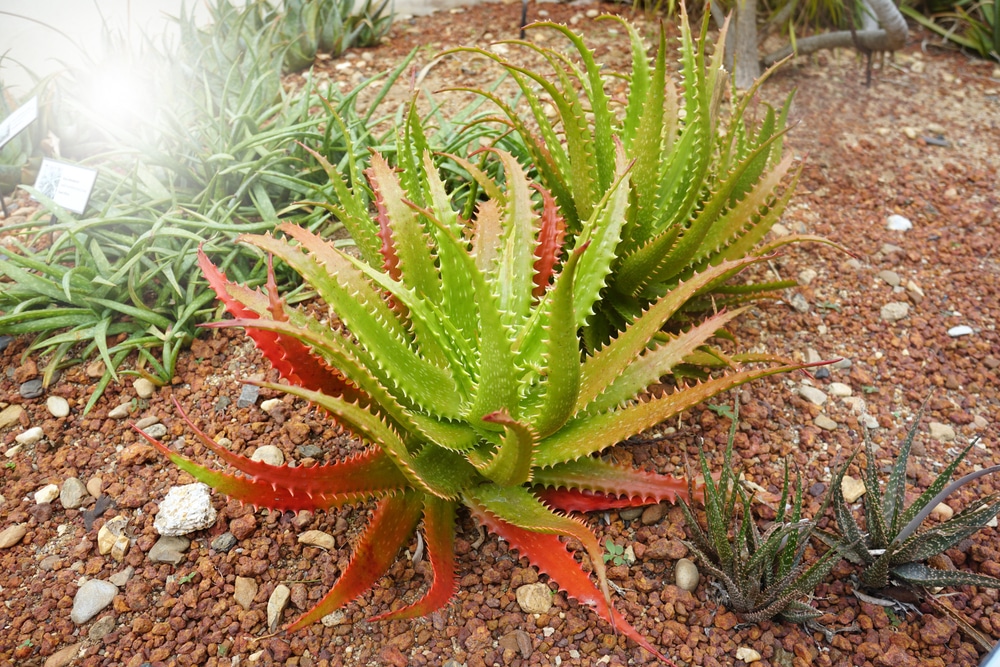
[860, 167]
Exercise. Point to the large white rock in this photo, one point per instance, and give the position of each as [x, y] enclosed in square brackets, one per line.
[93, 596]
[184, 510]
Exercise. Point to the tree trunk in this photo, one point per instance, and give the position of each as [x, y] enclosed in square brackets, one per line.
[747, 62]
[883, 29]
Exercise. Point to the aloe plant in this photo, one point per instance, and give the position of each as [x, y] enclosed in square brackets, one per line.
[762, 575]
[701, 196]
[453, 354]
[892, 548]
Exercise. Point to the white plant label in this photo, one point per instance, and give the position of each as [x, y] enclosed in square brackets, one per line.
[68, 185]
[21, 118]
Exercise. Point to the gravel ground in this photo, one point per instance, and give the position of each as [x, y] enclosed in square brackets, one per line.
[921, 143]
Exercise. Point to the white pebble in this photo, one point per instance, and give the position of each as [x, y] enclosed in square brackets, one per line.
[270, 404]
[942, 512]
[58, 406]
[812, 394]
[895, 311]
[268, 454]
[686, 574]
[144, 388]
[960, 330]
[839, 389]
[46, 494]
[898, 223]
[120, 412]
[852, 488]
[31, 436]
[184, 510]
[747, 654]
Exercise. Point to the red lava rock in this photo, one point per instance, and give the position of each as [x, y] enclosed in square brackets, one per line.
[896, 657]
[243, 527]
[390, 655]
[937, 630]
[298, 432]
[478, 636]
[137, 454]
[726, 620]
[666, 549]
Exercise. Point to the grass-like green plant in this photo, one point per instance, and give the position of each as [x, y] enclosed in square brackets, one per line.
[892, 546]
[701, 196]
[971, 24]
[761, 575]
[453, 353]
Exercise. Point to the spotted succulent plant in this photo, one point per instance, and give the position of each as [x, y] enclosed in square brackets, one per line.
[453, 354]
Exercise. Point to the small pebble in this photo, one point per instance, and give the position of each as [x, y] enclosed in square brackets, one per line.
[898, 223]
[839, 389]
[31, 436]
[890, 278]
[31, 389]
[95, 485]
[653, 514]
[747, 654]
[317, 538]
[93, 596]
[4, 342]
[268, 454]
[102, 627]
[46, 494]
[155, 431]
[812, 394]
[144, 388]
[276, 605]
[58, 406]
[686, 575]
[12, 534]
[852, 488]
[10, 415]
[169, 549]
[184, 510]
[119, 579]
[534, 598]
[630, 513]
[64, 656]
[825, 423]
[72, 493]
[806, 276]
[799, 303]
[942, 512]
[271, 404]
[822, 373]
[960, 330]
[895, 311]
[941, 432]
[120, 412]
[245, 591]
[146, 422]
[109, 533]
[224, 542]
[248, 396]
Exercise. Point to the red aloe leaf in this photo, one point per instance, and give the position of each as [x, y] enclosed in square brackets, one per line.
[439, 527]
[289, 356]
[389, 256]
[550, 241]
[589, 484]
[391, 526]
[550, 555]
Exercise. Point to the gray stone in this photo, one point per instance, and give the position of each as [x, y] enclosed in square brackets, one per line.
[119, 579]
[534, 598]
[184, 510]
[895, 311]
[812, 394]
[10, 415]
[146, 422]
[268, 454]
[630, 513]
[63, 656]
[839, 389]
[46, 494]
[825, 423]
[102, 627]
[686, 574]
[93, 596]
[120, 412]
[889, 277]
[245, 591]
[276, 605]
[31, 389]
[317, 538]
[4, 342]
[806, 276]
[58, 406]
[224, 542]
[72, 493]
[155, 431]
[248, 396]
[799, 303]
[169, 549]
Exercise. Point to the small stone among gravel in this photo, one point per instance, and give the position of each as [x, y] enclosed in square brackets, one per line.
[224, 542]
[10, 415]
[941, 432]
[93, 596]
[653, 514]
[960, 330]
[898, 223]
[31, 436]
[169, 549]
[58, 406]
[184, 510]
[144, 388]
[825, 423]
[46, 494]
[119, 579]
[942, 512]
[72, 493]
[747, 654]
[534, 598]
[155, 430]
[317, 538]
[806, 276]
[146, 422]
[889, 277]
[245, 591]
[852, 488]
[5, 341]
[268, 454]
[276, 605]
[12, 534]
[102, 627]
[120, 412]
[248, 396]
[839, 389]
[895, 311]
[812, 394]
[109, 533]
[270, 404]
[630, 513]
[686, 575]
[95, 485]
[63, 656]
[31, 389]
